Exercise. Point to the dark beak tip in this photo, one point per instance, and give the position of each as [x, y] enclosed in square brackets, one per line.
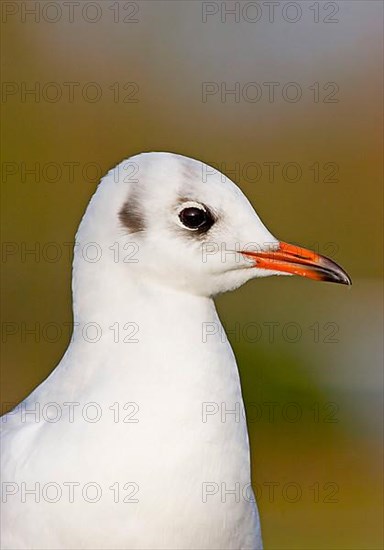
[347, 281]
[341, 278]
[334, 273]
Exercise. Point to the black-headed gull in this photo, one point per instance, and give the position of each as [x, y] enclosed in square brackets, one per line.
[117, 448]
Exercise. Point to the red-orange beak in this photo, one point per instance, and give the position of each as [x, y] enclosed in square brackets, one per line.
[289, 258]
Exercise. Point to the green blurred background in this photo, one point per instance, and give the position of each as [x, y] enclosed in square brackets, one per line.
[321, 371]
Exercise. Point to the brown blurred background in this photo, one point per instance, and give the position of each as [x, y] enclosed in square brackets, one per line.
[112, 79]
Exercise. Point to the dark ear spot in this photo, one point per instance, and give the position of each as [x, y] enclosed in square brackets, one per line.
[132, 217]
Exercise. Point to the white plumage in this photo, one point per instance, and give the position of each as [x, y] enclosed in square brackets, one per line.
[119, 453]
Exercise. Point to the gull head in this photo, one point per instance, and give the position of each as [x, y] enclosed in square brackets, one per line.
[174, 221]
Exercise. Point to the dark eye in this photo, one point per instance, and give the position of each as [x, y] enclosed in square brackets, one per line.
[196, 218]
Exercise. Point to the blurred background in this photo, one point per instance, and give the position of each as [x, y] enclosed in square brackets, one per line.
[286, 100]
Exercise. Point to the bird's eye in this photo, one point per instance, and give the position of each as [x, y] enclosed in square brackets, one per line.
[196, 218]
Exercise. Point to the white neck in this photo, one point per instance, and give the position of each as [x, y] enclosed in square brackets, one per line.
[190, 428]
